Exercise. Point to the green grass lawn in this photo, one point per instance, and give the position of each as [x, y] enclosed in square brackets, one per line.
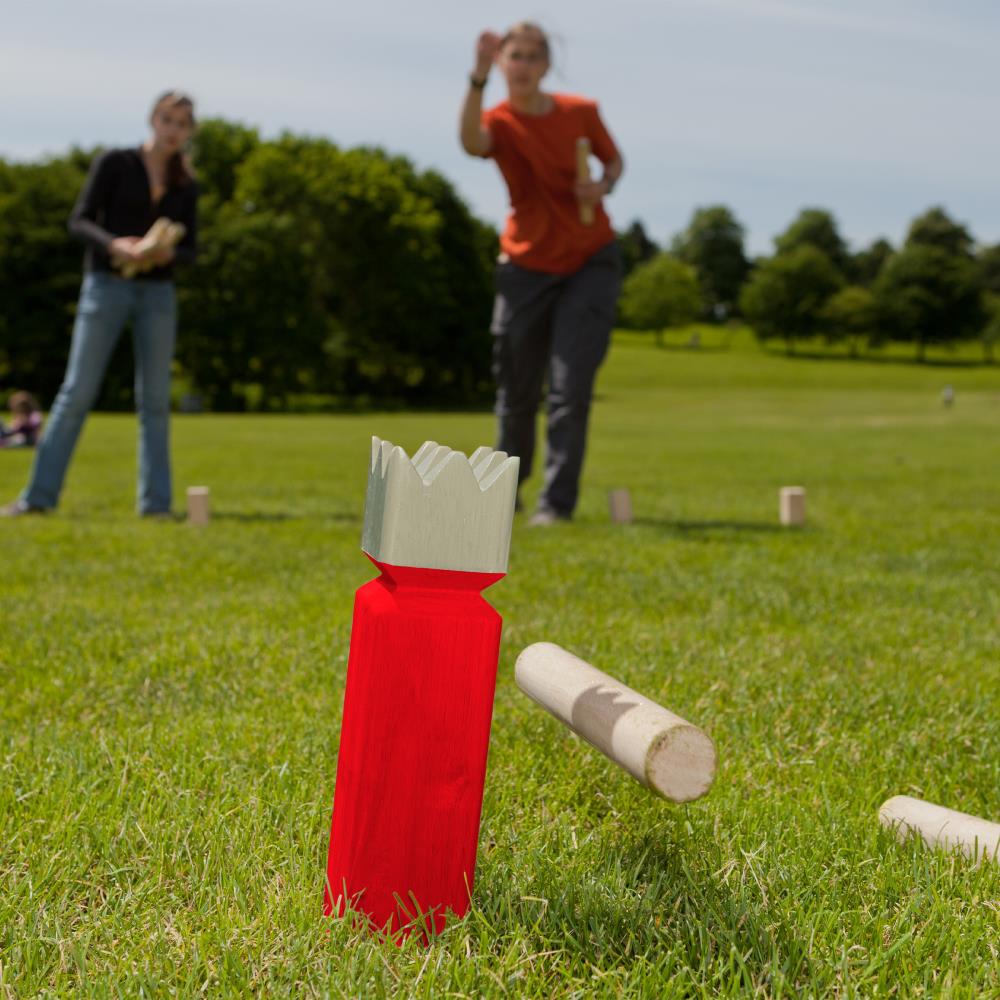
[170, 701]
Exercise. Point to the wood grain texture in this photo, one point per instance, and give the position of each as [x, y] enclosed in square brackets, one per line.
[938, 826]
[660, 750]
[412, 762]
[440, 509]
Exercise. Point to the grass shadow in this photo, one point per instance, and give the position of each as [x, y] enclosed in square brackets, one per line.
[696, 529]
[814, 354]
[262, 517]
[655, 891]
[694, 348]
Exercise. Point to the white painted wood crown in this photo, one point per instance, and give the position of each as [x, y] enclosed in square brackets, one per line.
[441, 509]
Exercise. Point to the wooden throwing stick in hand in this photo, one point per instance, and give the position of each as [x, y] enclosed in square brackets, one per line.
[163, 235]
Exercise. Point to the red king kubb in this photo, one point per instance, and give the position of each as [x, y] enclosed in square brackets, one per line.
[421, 677]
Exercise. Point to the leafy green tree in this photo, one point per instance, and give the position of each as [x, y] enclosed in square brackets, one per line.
[661, 293]
[340, 272]
[989, 268]
[40, 270]
[713, 245]
[991, 330]
[935, 228]
[219, 147]
[252, 312]
[929, 294]
[376, 231]
[817, 228]
[866, 265]
[850, 314]
[785, 295]
[636, 247]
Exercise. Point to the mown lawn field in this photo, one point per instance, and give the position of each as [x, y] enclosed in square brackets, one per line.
[170, 701]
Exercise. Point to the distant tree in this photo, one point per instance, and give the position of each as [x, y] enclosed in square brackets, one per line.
[253, 312]
[636, 247]
[991, 330]
[936, 229]
[989, 268]
[40, 271]
[866, 264]
[928, 294]
[661, 293]
[407, 312]
[817, 228]
[785, 295]
[850, 314]
[713, 245]
[219, 148]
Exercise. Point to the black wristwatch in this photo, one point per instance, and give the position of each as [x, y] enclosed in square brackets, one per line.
[476, 83]
[610, 182]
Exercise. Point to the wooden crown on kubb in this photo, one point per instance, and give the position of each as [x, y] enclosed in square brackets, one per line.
[441, 509]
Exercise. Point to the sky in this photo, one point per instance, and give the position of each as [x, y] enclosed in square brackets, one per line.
[875, 110]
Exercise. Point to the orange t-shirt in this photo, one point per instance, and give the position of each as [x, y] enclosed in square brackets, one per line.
[537, 156]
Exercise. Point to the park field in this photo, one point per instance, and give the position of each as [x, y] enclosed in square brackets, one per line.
[170, 701]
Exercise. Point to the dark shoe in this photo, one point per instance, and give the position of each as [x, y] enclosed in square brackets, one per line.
[18, 508]
[545, 516]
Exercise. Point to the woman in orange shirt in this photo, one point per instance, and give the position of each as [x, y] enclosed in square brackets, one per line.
[558, 276]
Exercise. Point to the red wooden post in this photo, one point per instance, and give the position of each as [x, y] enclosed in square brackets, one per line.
[420, 682]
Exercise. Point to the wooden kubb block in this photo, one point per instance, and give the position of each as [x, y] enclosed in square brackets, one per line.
[792, 505]
[620, 506]
[421, 676]
[198, 504]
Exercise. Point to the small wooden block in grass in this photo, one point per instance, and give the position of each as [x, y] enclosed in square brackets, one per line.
[620, 505]
[197, 504]
[792, 505]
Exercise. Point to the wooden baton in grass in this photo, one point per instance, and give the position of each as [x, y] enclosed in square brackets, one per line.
[421, 676]
[659, 749]
[941, 827]
[583, 176]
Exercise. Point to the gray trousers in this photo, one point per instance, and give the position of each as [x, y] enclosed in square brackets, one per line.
[560, 325]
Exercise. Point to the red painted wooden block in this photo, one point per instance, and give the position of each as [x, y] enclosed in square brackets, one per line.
[418, 703]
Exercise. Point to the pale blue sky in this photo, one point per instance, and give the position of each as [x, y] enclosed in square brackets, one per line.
[875, 110]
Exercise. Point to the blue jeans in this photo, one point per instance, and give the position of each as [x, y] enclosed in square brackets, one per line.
[107, 302]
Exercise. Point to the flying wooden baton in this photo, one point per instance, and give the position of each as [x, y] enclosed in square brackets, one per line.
[660, 750]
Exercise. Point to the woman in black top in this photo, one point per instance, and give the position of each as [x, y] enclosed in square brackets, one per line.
[126, 192]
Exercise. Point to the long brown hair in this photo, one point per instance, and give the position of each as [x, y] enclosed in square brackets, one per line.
[180, 170]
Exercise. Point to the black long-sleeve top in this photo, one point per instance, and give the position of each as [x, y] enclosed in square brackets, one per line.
[117, 201]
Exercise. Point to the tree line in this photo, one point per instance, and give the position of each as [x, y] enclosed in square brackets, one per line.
[938, 287]
[347, 277]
